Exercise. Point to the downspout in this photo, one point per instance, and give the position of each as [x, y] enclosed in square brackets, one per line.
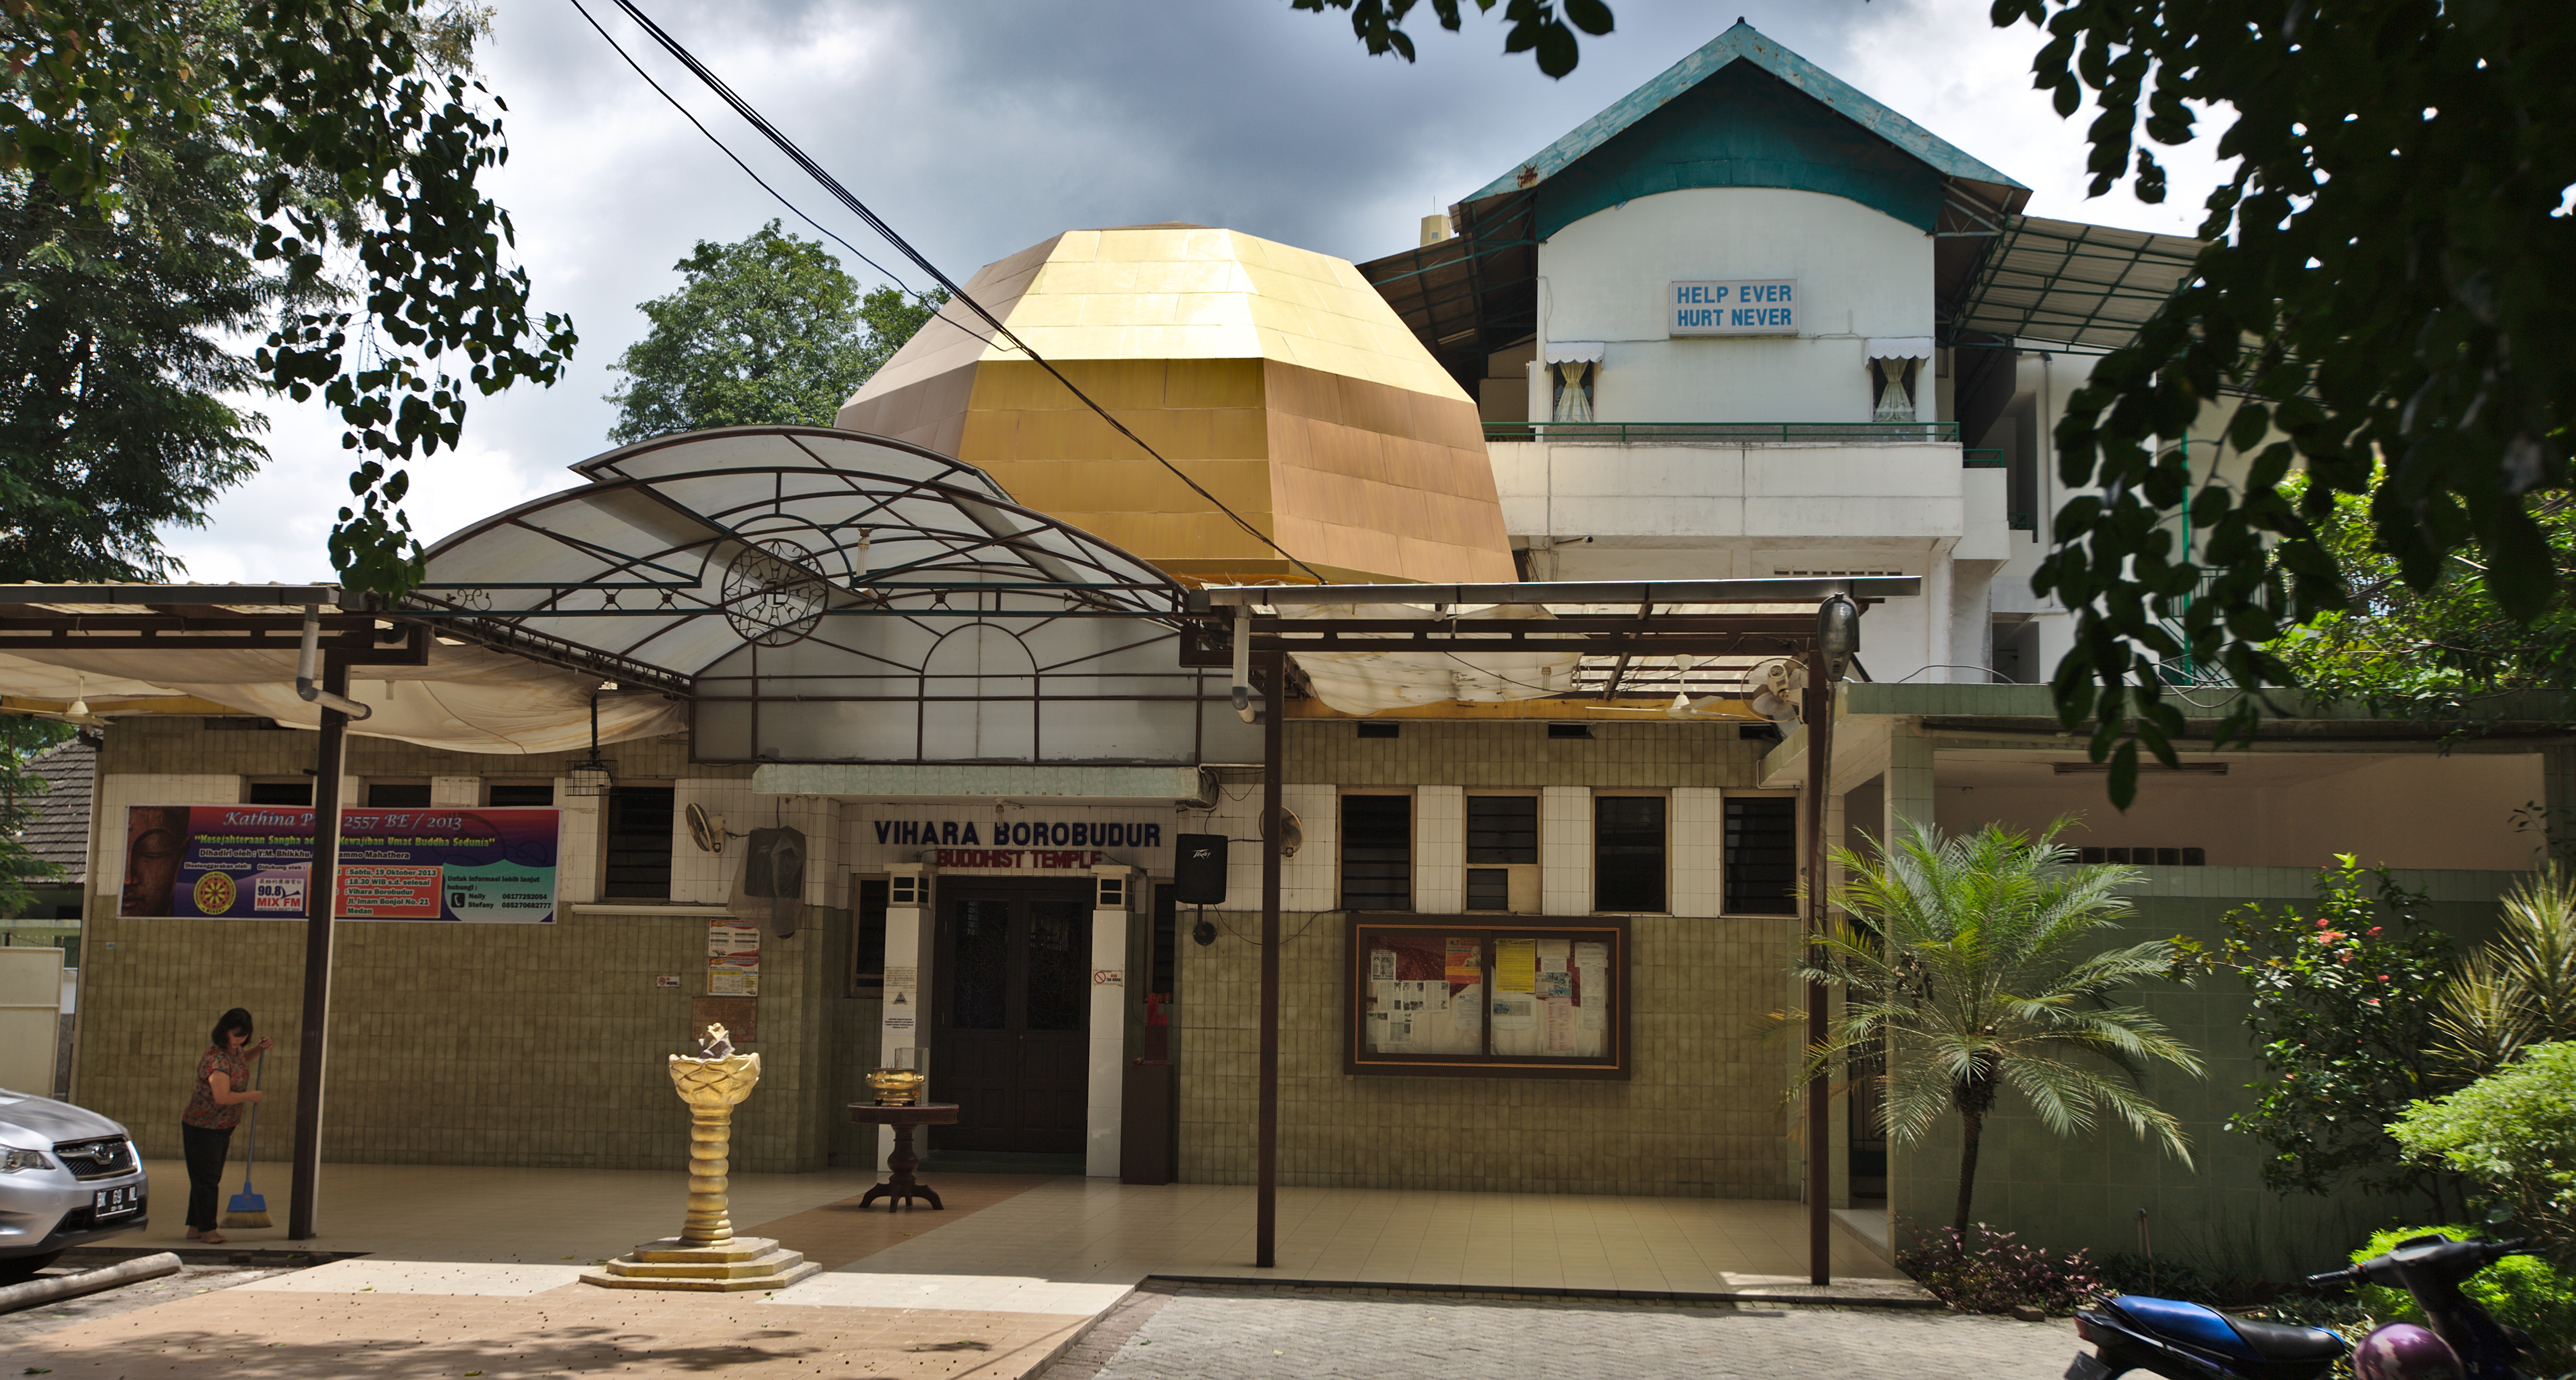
[305, 656]
[1243, 708]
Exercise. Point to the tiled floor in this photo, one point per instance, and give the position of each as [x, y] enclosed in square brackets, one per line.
[1069, 1230]
[1096, 1231]
[473, 1271]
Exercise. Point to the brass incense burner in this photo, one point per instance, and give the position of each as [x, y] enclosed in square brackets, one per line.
[899, 1084]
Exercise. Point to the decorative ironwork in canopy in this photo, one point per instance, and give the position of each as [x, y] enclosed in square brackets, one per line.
[820, 595]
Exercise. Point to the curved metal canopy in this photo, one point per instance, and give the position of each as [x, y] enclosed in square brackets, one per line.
[684, 549]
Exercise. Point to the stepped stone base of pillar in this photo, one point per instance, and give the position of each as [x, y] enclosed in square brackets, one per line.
[739, 1266]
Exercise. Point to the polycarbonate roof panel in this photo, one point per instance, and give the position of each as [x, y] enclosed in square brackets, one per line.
[681, 551]
[2066, 283]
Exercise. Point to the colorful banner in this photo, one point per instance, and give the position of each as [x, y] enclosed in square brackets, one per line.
[252, 862]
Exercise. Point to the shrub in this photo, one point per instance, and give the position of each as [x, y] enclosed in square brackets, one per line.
[1986, 1271]
[2339, 1022]
[2514, 1132]
[2521, 1291]
[2172, 1277]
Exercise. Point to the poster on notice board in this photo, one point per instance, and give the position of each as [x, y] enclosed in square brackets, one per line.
[253, 862]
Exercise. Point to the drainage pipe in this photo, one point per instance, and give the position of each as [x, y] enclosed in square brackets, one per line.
[52, 1288]
[304, 659]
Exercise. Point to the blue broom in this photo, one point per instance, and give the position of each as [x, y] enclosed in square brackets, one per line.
[248, 1209]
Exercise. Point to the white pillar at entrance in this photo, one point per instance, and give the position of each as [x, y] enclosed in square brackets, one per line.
[1112, 887]
[905, 1023]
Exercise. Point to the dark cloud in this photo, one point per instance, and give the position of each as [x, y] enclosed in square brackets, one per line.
[977, 127]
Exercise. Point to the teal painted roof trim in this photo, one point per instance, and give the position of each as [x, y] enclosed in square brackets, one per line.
[1782, 146]
[1742, 128]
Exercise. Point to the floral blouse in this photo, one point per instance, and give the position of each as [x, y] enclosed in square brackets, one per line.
[202, 1108]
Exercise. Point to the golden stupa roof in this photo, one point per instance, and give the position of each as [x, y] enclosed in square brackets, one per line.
[1276, 378]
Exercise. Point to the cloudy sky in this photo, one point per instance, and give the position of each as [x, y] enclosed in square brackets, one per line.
[978, 127]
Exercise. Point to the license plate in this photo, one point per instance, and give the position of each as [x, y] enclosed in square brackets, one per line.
[116, 1202]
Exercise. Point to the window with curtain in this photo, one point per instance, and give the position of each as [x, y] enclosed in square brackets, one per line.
[1573, 391]
[1892, 384]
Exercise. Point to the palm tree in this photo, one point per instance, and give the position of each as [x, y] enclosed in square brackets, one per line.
[1960, 962]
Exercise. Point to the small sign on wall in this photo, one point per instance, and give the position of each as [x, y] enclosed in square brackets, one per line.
[733, 958]
[1733, 306]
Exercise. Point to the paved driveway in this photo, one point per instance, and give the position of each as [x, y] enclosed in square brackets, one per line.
[1196, 1332]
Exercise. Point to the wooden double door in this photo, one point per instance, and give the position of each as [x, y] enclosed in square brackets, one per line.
[1011, 1032]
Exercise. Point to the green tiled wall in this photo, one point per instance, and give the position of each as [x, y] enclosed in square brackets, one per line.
[2086, 1191]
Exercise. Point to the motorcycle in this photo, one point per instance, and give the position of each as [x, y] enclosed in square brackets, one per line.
[2186, 1341]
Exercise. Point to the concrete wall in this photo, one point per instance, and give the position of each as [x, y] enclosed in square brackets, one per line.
[2085, 1191]
[1860, 274]
[2411, 810]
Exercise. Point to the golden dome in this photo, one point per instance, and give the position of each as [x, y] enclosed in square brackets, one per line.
[1276, 378]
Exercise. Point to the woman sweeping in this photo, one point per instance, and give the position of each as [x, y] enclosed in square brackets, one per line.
[214, 1109]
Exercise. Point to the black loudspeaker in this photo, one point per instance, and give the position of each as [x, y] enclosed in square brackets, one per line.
[1198, 869]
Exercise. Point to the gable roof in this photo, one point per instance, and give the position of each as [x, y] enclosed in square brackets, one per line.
[1742, 111]
[1744, 43]
[59, 834]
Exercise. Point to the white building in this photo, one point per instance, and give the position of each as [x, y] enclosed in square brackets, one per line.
[1749, 322]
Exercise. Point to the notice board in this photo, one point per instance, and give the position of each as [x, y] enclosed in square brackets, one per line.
[1463, 997]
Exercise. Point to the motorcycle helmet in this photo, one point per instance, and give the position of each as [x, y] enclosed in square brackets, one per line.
[2403, 1351]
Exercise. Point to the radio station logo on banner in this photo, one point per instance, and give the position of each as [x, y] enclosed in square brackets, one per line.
[255, 862]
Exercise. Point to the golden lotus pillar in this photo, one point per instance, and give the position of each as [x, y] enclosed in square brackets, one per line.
[706, 1255]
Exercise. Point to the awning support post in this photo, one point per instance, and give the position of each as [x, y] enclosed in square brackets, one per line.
[1819, 714]
[321, 887]
[1274, 724]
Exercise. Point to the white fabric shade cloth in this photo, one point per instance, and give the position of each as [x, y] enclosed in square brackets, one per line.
[467, 699]
[1366, 682]
[1576, 351]
[1900, 347]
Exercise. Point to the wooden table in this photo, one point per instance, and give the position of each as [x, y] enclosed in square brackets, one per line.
[903, 1188]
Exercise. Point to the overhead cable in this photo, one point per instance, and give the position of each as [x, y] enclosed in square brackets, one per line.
[957, 293]
[691, 117]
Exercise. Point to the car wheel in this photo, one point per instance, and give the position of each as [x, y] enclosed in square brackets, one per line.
[19, 1269]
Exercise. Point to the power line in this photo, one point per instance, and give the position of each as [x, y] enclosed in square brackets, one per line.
[686, 114]
[886, 232]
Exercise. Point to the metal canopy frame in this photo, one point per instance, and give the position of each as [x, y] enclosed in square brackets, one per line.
[1644, 637]
[2060, 282]
[200, 618]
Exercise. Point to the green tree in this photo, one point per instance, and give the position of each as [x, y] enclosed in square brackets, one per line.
[2432, 653]
[768, 330]
[2382, 286]
[1536, 27]
[2343, 1027]
[113, 330]
[1963, 962]
[363, 147]
[21, 797]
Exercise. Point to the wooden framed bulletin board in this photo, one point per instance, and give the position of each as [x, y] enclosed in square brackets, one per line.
[1445, 996]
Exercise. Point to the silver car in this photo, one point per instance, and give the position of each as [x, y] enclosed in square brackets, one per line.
[68, 1177]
